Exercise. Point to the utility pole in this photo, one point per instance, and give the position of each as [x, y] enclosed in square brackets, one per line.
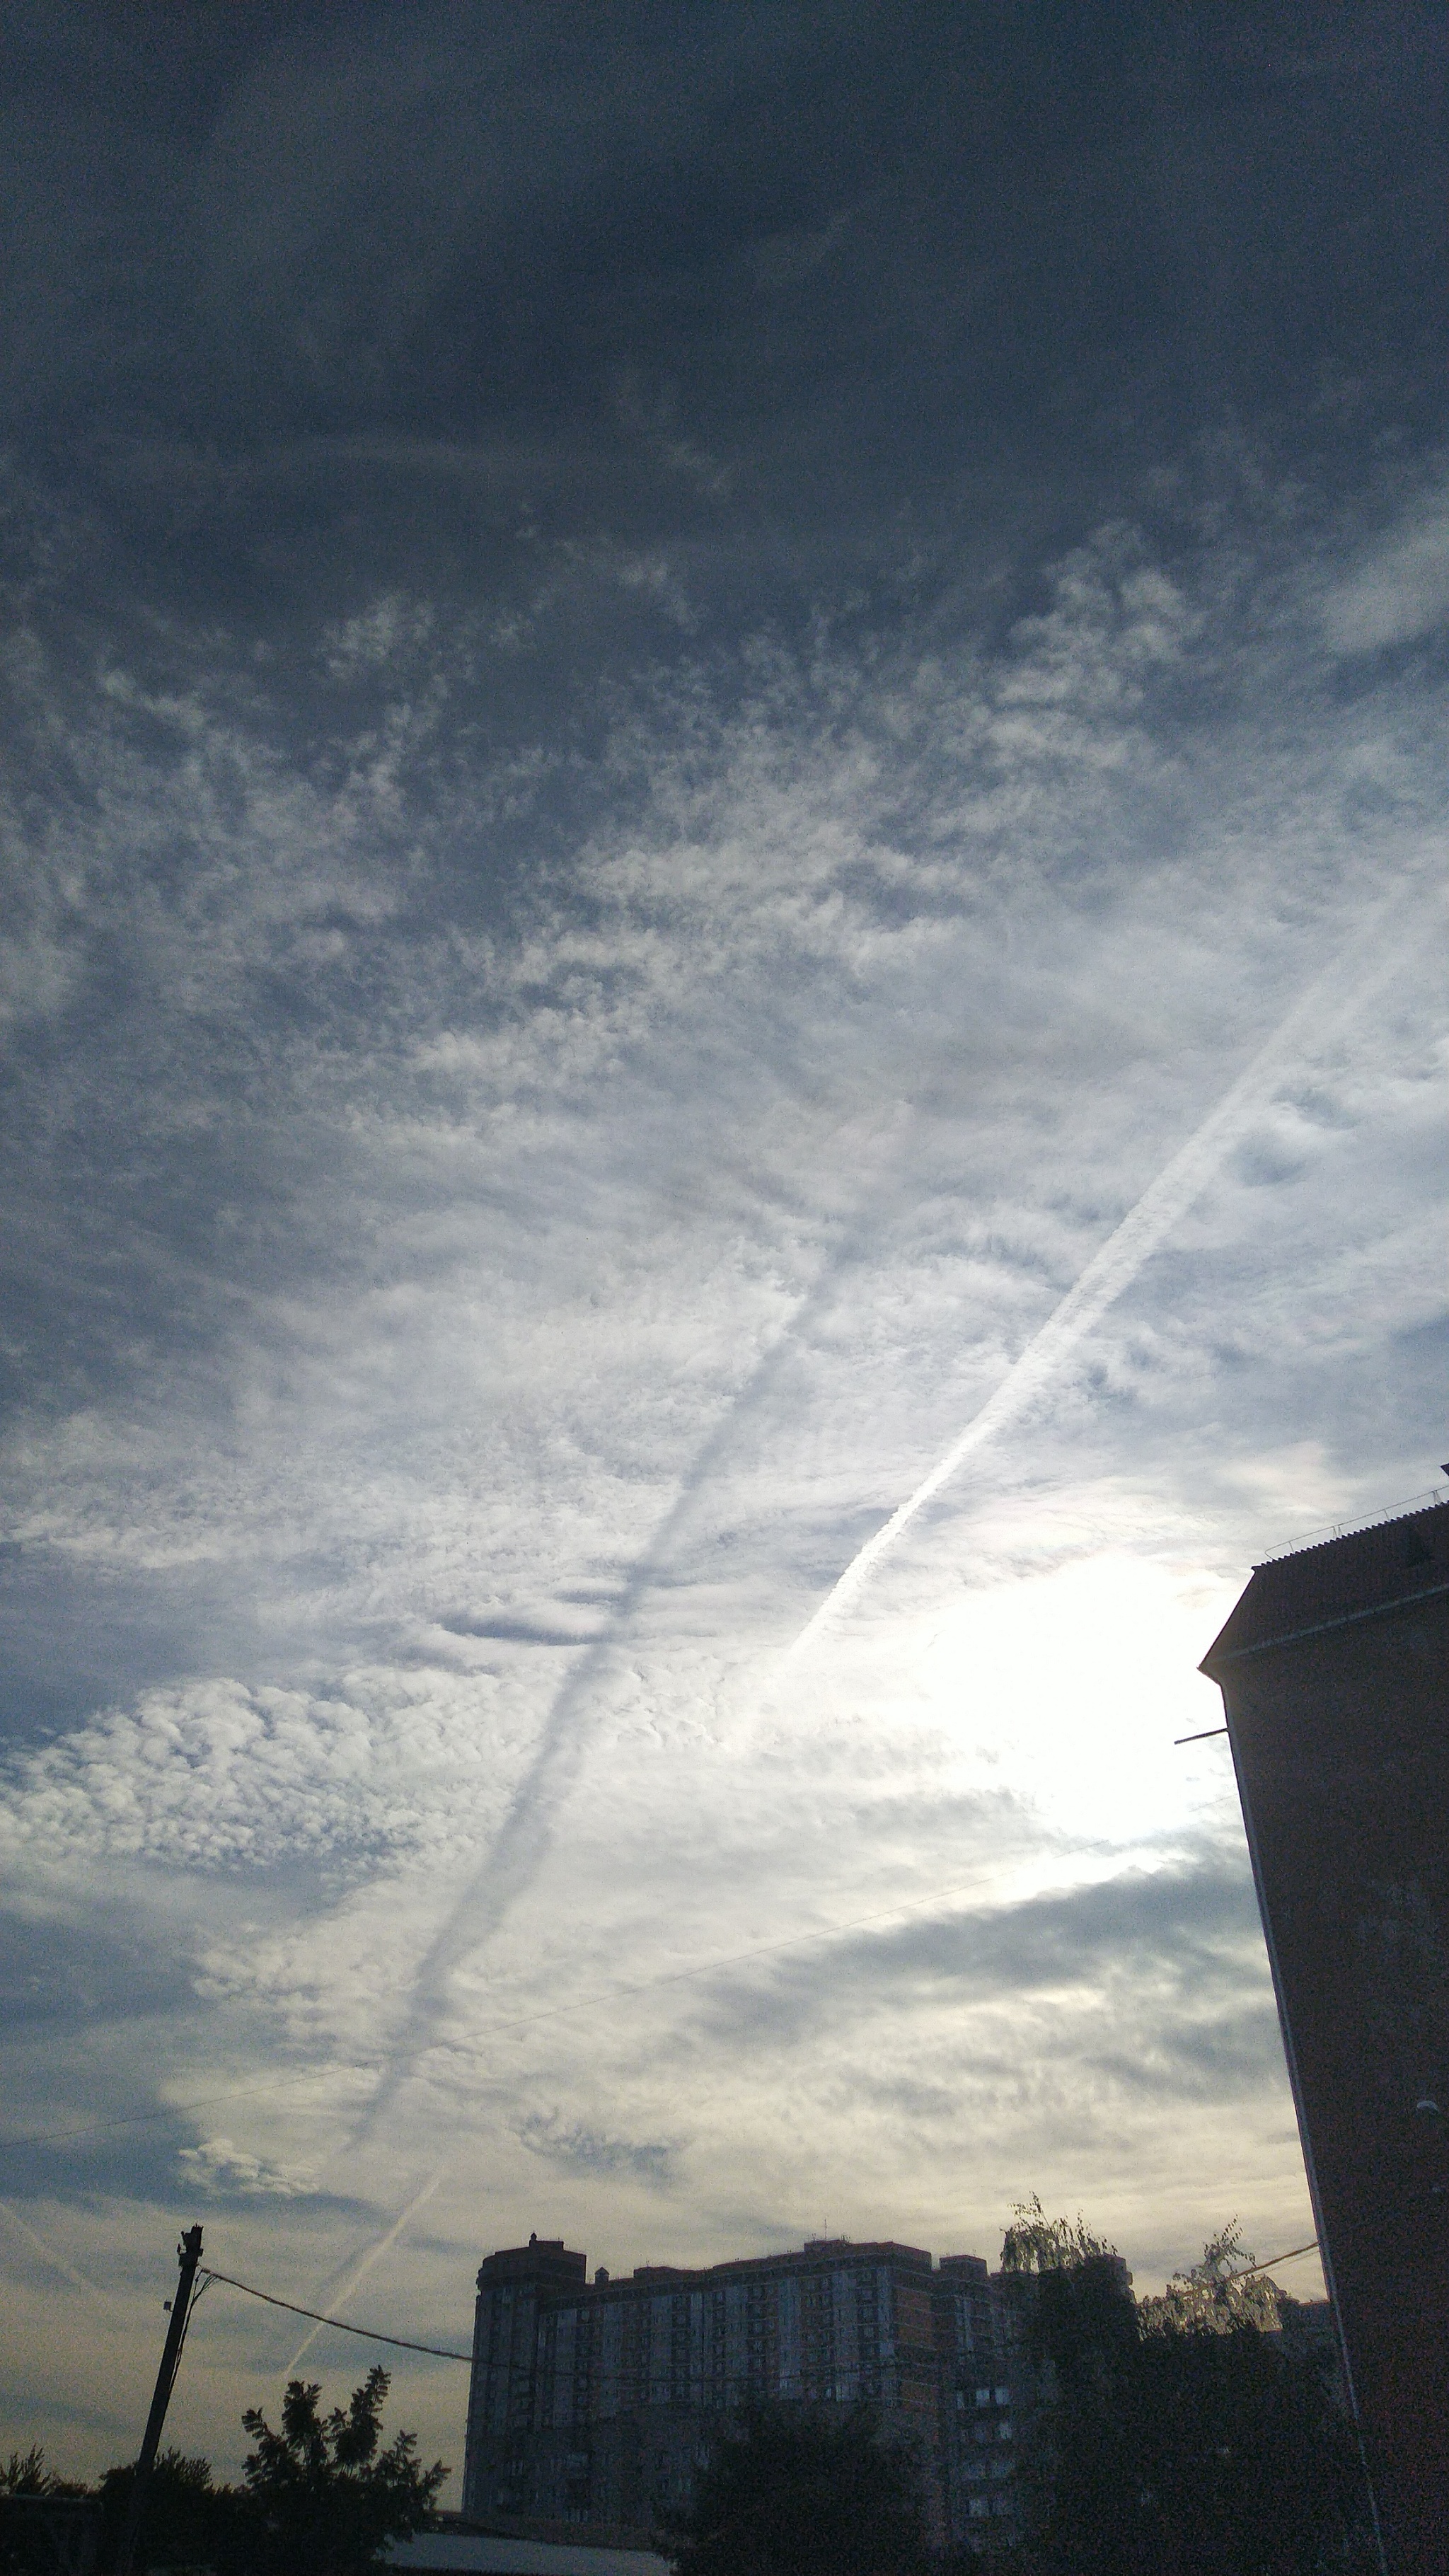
[188, 2255]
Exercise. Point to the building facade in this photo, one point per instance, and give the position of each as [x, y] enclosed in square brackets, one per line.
[1334, 1670]
[591, 2402]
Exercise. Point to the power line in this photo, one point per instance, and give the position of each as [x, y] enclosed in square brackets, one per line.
[148, 2119]
[442, 2352]
[1249, 2269]
[373, 2334]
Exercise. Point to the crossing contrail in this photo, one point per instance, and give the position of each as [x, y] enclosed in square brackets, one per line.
[341, 2291]
[522, 1840]
[1116, 1264]
[526, 1832]
[58, 2262]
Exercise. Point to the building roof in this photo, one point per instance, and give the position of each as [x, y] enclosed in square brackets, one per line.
[554, 2270]
[1358, 1576]
[817, 2251]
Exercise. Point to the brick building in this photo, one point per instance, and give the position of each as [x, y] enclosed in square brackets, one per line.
[1334, 1670]
[591, 2401]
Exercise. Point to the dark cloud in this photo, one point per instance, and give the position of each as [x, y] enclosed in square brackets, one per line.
[681, 686]
[150, 2155]
[22, 2405]
[520, 1631]
[800, 254]
[74, 1639]
[1192, 1934]
[581, 2149]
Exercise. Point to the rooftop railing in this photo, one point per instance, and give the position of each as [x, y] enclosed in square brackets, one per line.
[1328, 1531]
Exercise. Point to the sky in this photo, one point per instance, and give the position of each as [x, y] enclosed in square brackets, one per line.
[724, 1059]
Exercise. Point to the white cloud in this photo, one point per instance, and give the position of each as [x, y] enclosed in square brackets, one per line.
[647, 789]
[1401, 589]
[219, 2169]
[530, 1304]
[216, 1775]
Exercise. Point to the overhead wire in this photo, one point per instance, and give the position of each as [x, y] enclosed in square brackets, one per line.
[373, 2334]
[1248, 2269]
[444, 2352]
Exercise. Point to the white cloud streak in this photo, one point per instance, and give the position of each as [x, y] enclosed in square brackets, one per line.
[341, 2291]
[624, 1256]
[1113, 1268]
[58, 2262]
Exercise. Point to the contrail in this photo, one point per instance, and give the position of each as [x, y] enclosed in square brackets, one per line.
[343, 2290]
[57, 2261]
[524, 1835]
[1111, 1269]
[526, 1831]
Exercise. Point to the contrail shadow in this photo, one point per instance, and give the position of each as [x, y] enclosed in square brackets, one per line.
[524, 1835]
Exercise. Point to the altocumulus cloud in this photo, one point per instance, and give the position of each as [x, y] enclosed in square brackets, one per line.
[214, 1776]
[569, 2142]
[677, 705]
[217, 2168]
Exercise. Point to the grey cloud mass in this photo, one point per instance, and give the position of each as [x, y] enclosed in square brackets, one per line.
[683, 689]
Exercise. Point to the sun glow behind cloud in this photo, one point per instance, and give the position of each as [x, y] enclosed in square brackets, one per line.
[1065, 1691]
[668, 1300]
[585, 978]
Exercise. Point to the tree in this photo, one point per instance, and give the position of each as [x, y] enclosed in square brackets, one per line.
[1224, 2290]
[323, 2497]
[1035, 2243]
[1174, 2439]
[1071, 2297]
[25, 2474]
[188, 2520]
[790, 2493]
[1247, 2466]
[38, 2514]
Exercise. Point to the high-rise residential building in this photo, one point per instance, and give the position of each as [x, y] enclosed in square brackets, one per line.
[1334, 1670]
[591, 2402]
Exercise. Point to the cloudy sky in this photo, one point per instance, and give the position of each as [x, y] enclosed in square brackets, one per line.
[704, 703]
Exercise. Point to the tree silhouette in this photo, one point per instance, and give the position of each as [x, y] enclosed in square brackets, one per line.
[323, 2497]
[788, 2493]
[189, 2521]
[1222, 2291]
[30, 2544]
[1177, 2439]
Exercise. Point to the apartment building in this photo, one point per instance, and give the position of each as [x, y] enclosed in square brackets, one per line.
[1334, 1670]
[591, 2402]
